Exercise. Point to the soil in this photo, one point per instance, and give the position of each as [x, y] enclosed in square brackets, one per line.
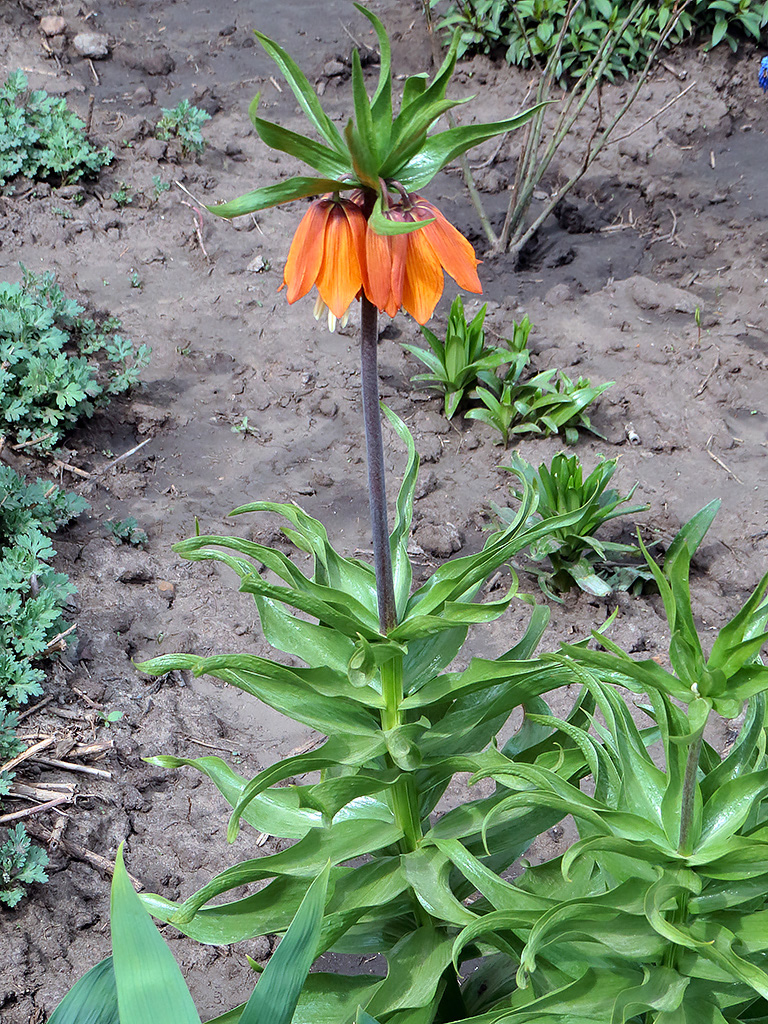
[673, 217]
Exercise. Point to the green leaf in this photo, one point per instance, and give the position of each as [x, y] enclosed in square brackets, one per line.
[427, 871]
[398, 539]
[416, 966]
[283, 192]
[325, 160]
[276, 812]
[381, 104]
[91, 1000]
[278, 989]
[363, 114]
[303, 92]
[442, 148]
[149, 983]
[382, 225]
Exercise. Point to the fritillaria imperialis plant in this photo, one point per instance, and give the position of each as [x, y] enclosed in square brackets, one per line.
[663, 891]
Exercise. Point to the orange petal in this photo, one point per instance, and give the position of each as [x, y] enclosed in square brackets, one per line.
[340, 276]
[377, 271]
[305, 256]
[455, 253]
[423, 282]
[399, 244]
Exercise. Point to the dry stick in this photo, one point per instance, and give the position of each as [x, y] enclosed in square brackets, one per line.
[29, 811]
[36, 707]
[720, 462]
[126, 455]
[57, 643]
[198, 227]
[69, 766]
[653, 117]
[35, 440]
[71, 469]
[708, 378]
[592, 154]
[45, 835]
[29, 752]
[469, 181]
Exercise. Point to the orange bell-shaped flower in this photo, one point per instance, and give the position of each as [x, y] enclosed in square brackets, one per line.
[328, 250]
[407, 270]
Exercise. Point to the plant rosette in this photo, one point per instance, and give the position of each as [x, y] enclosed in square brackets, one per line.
[381, 238]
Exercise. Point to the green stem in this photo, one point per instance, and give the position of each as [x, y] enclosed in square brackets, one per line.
[404, 798]
[689, 793]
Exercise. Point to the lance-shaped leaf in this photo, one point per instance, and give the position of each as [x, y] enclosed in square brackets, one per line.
[91, 1000]
[398, 540]
[381, 104]
[283, 192]
[277, 812]
[428, 871]
[303, 91]
[416, 965]
[275, 997]
[325, 160]
[440, 149]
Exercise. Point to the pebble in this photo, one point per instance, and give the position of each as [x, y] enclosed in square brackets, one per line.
[426, 485]
[53, 25]
[167, 590]
[142, 96]
[91, 44]
[661, 296]
[439, 540]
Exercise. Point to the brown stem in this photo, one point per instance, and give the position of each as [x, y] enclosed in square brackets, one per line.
[382, 557]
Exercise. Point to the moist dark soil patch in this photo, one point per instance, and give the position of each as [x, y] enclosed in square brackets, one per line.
[671, 218]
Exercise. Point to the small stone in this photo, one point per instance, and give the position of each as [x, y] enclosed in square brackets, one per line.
[431, 423]
[91, 44]
[439, 540]
[426, 485]
[53, 25]
[334, 67]
[257, 265]
[321, 479]
[660, 296]
[142, 96]
[167, 590]
[558, 294]
[327, 407]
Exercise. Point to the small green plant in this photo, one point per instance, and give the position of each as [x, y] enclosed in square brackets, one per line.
[183, 122]
[122, 195]
[62, 212]
[21, 863]
[243, 427]
[141, 981]
[136, 281]
[127, 531]
[575, 554]
[56, 366]
[457, 363]
[159, 186]
[41, 138]
[548, 403]
[110, 717]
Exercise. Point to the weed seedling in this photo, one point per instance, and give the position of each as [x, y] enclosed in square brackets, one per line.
[127, 531]
[122, 194]
[183, 122]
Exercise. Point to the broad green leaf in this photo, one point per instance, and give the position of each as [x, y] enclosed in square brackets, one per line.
[276, 812]
[381, 104]
[332, 998]
[149, 983]
[327, 161]
[303, 92]
[344, 840]
[416, 965]
[427, 871]
[662, 990]
[278, 989]
[440, 149]
[727, 810]
[381, 225]
[282, 192]
[91, 1000]
[363, 114]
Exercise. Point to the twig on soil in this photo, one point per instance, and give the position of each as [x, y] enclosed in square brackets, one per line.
[36, 707]
[57, 643]
[709, 376]
[72, 469]
[93, 72]
[89, 118]
[42, 792]
[29, 752]
[198, 227]
[720, 462]
[275, 82]
[69, 766]
[28, 811]
[210, 746]
[46, 835]
[126, 455]
[26, 444]
[648, 120]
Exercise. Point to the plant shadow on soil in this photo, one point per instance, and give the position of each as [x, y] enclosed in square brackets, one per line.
[670, 219]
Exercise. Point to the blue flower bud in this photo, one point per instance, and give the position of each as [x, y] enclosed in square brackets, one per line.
[762, 75]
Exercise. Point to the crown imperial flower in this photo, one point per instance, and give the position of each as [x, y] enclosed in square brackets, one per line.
[393, 253]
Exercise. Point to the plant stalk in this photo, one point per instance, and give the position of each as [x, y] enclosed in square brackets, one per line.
[689, 793]
[382, 556]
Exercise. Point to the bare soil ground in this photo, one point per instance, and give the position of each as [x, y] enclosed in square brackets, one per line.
[672, 217]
